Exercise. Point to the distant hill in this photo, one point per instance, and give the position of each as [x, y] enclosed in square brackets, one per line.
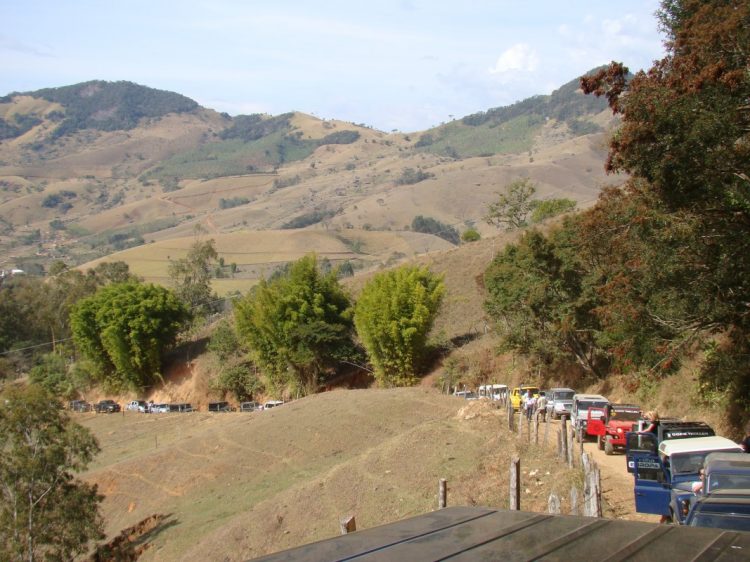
[514, 127]
[94, 168]
[99, 105]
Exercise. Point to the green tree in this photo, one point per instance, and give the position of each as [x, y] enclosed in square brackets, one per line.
[470, 235]
[513, 205]
[191, 276]
[537, 293]
[45, 512]
[685, 143]
[298, 326]
[429, 225]
[549, 208]
[393, 316]
[124, 329]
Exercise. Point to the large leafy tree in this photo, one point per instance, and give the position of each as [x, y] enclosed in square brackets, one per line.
[513, 205]
[685, 141]
[393, 316]
[191, 276]
[45, 512]
[298, 326]
[124, 328]
[538, 292]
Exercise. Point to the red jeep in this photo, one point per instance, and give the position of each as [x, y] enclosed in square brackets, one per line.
[611, 423]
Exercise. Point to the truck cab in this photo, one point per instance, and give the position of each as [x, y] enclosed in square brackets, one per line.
[516, 396]
[722, 472]
[612, 425]
[560, 402]
[493, 391]
[673, 464]
[579, 413]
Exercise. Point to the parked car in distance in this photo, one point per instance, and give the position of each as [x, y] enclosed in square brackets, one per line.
[219, 407]
[250, 406]
[579, 413]
[493, 391]
[272, 404]
[182, 407]
[465, 394]
[79, 406]
[106, 407]
[136, 406]
[159, 408]
[516, 396]
[559, 402]
[722, 509]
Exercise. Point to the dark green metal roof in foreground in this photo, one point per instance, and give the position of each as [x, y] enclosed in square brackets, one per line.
[475, 533]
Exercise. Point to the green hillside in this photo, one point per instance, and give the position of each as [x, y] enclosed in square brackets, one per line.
[109, 106]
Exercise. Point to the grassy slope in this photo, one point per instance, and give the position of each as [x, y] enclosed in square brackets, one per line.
[241, 485]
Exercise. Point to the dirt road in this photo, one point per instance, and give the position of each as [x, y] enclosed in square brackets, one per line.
[617, 483]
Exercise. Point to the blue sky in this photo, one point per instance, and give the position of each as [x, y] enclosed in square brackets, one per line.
[391, 64]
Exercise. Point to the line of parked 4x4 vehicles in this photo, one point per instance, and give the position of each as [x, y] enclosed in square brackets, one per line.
[110, 407]
[682, 471]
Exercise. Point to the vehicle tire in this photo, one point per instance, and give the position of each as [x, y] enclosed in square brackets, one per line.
[609, 449]
[600, 442]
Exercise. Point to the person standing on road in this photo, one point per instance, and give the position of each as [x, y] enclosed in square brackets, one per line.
[530, 406]
[541, 406]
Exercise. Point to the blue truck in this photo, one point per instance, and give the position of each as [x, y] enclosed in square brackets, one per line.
[670, 459]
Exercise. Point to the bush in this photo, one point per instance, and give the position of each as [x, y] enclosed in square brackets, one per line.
[470, 235]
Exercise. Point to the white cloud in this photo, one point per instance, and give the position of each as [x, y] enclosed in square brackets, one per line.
[520, 57]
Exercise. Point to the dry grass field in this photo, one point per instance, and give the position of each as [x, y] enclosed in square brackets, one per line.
[238, 485]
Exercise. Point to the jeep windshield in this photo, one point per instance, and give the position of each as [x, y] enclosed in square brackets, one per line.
[584, 406]
[723, 481]
[626, 415]
[567, 395]
[688, 463]
[731, 522]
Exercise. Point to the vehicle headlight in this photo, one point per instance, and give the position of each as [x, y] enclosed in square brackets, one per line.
[619, 430]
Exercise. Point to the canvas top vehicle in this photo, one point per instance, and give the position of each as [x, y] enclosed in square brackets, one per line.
[517, 394]
[580, 410]
[560, 402]
[672, 466]
[725, 472]
[136, 406]
[611, 428]
[272, 404]
[219, 407]
[79, 406]
[493, 391]
[722, 509]
[106, 406]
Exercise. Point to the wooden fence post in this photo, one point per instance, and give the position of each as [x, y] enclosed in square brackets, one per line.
[564, 437]
[442, 494]
[574, 501]
[515, 484]
[571, 447]
[553, 504]
[546, 431]
[347, 525]
[560, 454]
[596, 476]
[520, 424]
[510, 417]
[536, 427]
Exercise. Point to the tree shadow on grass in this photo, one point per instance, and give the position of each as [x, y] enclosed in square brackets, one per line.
[133, 541]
